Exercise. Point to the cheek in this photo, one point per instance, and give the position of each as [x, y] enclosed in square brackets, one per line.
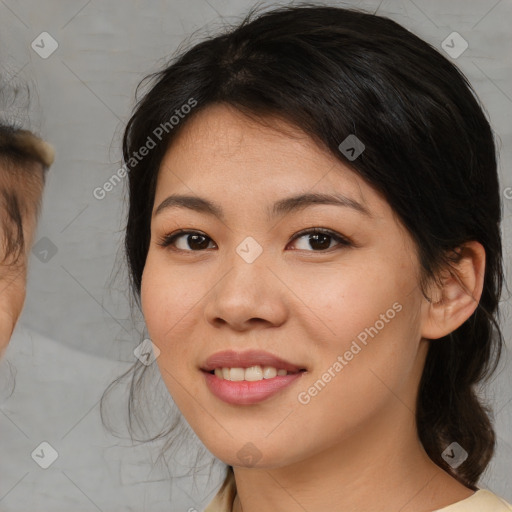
[368, 317]
[169, 304]
[340, 302]
[163, 295]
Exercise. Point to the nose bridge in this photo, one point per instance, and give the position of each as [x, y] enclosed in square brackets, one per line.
[247, 271]
[243, 293]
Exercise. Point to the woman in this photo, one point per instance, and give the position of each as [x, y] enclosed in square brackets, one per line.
[24, 162]
[313, 238]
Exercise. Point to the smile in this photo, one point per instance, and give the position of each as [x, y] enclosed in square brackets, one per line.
[251, 374]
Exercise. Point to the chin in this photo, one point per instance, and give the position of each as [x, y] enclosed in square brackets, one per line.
[258, 455]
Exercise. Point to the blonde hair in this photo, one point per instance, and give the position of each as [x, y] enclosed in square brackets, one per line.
[24, 160]
[23, 144]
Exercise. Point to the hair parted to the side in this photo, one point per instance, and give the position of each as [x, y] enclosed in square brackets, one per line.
[430, 151]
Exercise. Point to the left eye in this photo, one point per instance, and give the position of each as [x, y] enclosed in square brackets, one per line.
[319, 239]
[193, 239]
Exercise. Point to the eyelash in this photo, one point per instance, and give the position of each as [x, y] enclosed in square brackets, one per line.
[167, 240]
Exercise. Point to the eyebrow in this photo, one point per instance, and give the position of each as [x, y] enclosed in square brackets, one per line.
[280, 208]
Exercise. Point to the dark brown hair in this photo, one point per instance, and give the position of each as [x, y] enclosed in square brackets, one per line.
[429, 150]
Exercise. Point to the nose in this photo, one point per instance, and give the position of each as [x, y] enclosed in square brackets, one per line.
[248, 296]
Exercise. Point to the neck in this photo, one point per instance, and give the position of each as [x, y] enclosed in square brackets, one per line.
[382, 463]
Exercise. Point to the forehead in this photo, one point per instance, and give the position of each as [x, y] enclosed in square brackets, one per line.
[222, 149]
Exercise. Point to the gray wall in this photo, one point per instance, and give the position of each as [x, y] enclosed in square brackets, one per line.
[75, 334]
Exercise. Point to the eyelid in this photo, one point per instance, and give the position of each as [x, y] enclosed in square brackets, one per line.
[166, 240]
[343, 241]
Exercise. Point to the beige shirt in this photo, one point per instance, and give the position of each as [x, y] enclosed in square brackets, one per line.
[481, 501]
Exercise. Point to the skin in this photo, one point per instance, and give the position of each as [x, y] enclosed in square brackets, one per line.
[355, 443]
[13, 276]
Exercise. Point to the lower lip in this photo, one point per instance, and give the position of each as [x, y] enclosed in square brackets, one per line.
[248, 392]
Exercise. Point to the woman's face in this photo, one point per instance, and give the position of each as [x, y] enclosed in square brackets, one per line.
[350, 315]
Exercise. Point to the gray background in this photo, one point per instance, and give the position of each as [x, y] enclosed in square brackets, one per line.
[76, 333]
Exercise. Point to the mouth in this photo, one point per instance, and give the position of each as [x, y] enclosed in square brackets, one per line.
[249, 377]
[251, 373]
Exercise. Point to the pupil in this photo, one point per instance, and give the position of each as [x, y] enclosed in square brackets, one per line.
[314, 239]
[194, 238]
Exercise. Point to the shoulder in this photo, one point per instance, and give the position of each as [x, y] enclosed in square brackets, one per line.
[482, 500]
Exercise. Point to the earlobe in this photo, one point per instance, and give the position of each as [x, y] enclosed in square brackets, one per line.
[456, 300]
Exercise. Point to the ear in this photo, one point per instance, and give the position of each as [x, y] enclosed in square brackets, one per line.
[457, 298]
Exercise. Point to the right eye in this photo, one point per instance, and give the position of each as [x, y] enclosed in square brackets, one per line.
[195, 240]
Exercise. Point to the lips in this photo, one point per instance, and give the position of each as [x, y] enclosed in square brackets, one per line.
[233, 359]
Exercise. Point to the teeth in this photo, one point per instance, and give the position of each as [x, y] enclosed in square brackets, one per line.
[256, 373]
[252, 373]
[269, 372]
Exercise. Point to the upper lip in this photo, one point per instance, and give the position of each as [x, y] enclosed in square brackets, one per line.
[233, 359]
